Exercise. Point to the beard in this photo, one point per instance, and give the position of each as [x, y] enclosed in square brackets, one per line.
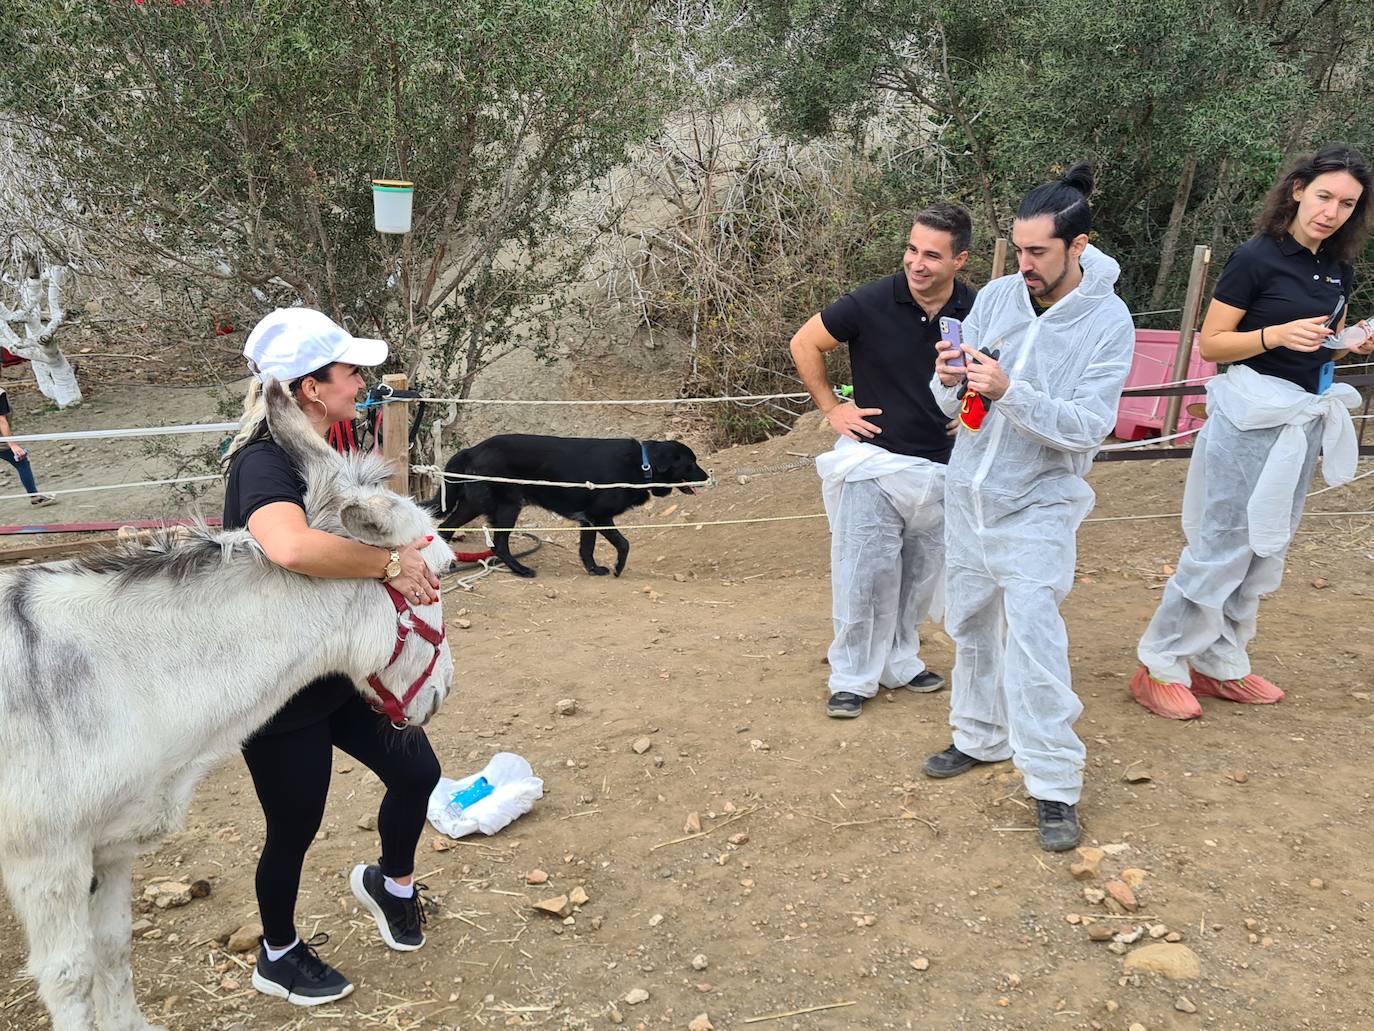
[1045, 289]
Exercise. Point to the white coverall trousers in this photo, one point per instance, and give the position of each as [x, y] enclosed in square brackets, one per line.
[1206, 618]
[1012, 694]
[886, 566]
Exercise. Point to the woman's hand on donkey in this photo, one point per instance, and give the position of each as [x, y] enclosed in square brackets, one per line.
[415, 581]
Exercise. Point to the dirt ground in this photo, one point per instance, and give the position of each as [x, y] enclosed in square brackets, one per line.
[829, 872]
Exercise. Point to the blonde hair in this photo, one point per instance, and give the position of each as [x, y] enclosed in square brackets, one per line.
[252, 424]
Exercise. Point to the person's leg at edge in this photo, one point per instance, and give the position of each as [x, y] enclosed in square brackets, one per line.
[22, 467]
[865, 576]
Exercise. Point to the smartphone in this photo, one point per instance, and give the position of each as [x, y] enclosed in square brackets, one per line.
[1326, 376]
[953, 331]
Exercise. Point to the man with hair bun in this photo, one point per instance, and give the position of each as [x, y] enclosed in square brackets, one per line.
[1037, 382]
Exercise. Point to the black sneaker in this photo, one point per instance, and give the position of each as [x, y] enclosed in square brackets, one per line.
[300, 977]
[925, 682]
[843, 705]
[398, 920]
[949, 763]
[1059, 830]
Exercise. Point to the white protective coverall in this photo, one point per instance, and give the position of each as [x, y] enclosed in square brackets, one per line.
[1247, 482]
[886, 514]
[1014, 498]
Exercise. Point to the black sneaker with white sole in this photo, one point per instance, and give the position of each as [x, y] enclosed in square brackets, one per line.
[1059, 828]
[399, 921]
[842, 705]
[300, 977]
[925, 682]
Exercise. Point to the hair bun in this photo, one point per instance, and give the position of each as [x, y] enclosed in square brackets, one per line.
[1080, 177]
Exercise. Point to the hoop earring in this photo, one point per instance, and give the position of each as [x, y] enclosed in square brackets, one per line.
[316, 400]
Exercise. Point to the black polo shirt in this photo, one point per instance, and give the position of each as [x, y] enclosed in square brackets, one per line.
[1277, 281]
[892, 346]
[259, 475]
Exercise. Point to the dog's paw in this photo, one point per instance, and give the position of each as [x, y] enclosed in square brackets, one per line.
[598, 571]
[524, 571]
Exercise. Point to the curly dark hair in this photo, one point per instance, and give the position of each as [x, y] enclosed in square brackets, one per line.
[1280, 208]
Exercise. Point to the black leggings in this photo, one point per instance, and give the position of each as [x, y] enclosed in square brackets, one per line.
[291, 775]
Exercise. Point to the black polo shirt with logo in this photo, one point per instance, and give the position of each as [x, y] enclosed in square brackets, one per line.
[892, 347]
[1277, 281]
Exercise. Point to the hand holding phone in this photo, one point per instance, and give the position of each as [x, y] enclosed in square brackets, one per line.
[1334, 340]
[952, 332]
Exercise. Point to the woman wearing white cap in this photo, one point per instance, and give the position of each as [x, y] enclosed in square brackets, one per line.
[290, 758]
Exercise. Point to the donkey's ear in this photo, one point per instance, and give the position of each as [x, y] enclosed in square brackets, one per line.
[291, 429]
[378, 520]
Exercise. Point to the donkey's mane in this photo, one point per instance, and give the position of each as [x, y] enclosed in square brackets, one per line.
[184, 553]
[177, 553]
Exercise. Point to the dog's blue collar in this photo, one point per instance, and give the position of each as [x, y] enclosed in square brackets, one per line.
[645, 467]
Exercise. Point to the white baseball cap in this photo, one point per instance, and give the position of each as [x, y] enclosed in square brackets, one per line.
[294, 341]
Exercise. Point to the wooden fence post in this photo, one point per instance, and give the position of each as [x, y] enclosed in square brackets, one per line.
[1192, 307]
[999, 258]
[396, 435]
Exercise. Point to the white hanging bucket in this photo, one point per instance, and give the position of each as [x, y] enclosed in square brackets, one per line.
[391, 204]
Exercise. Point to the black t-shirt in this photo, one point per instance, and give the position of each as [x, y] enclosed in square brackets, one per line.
[892, 346]
[261, 474]
[1277, 281]
[4, 403]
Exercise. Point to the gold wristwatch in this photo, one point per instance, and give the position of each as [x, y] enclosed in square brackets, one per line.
[393, 566]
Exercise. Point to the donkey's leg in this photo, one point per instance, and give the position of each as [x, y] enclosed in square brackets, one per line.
[113, 990]
[51, 895]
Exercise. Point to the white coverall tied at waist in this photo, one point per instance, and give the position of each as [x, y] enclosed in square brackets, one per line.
[886, 514]
[1247, 483]
[1014, 498]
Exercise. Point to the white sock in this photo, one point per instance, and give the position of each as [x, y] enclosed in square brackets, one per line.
[275, 954]
[401, 891]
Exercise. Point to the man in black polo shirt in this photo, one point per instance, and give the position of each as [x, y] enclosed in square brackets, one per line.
[883, 484]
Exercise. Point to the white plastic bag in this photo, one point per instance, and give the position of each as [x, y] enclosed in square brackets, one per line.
[515, 789]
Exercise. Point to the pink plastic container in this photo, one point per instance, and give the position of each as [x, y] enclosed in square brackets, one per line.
[1140, 417]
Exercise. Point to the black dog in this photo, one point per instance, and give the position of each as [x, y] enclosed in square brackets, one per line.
[522, 456]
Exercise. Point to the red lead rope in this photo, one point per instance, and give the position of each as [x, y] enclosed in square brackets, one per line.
[392, 708]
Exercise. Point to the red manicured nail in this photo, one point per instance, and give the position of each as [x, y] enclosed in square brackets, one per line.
[429, 538]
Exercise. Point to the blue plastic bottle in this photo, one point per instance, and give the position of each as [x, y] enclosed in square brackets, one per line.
[474, 792]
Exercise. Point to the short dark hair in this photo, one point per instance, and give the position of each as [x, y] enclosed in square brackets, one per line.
[1280, 208]
[948, 218]
[1066, 199]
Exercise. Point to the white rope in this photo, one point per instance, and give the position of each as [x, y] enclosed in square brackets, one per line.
[434, 470]
[693, 523]
[1338, 486]
[1176, 515]
[610, 401]
[114, 486]
[143, 431]
[1130, 445]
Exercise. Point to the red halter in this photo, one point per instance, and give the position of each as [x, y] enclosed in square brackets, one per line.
[391, 707]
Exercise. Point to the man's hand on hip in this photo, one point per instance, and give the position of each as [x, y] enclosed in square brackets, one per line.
[850, 421]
